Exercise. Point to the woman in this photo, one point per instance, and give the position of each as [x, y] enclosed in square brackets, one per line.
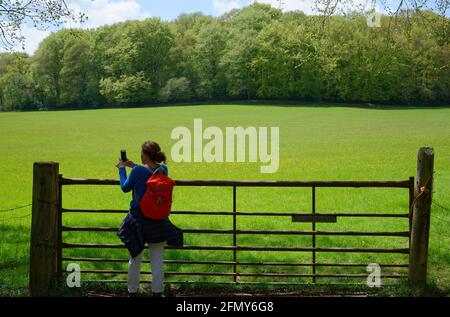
[136, 230]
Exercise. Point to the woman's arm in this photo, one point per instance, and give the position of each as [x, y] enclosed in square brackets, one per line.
[127, 184]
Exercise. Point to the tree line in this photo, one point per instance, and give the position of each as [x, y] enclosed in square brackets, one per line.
[257, 52]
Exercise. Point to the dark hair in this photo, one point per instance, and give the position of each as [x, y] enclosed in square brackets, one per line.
[153, 151]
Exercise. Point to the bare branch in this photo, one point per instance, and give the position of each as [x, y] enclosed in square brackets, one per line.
[41, 13]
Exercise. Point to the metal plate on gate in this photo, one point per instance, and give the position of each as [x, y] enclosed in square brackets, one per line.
[317, 218]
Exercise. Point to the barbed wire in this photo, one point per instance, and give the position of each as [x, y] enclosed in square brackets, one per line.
[442, 234]
[437, 204]
[441, 231]
[441, 219]
[440, 206]
[14, 208]
[13, 261]
[12, 218]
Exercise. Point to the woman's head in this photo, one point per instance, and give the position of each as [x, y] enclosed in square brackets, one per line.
[151, 153]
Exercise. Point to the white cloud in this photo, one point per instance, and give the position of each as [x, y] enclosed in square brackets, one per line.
[307, 6]
[32, 36]
[102, 12]
[223, 6]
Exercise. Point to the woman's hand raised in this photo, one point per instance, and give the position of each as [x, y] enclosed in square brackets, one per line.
[130, 164]
[120, 164]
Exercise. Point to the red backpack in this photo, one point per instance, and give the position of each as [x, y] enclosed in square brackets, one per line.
[157, 199]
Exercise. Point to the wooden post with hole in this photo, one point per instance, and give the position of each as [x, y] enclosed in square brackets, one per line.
[43, 244]
[420, 230]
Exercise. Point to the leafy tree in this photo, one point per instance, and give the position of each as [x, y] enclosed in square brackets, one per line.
[254, 52]
[241, 48]
[185, 29]
[208, 51]
[7, 59]
[204, 90]
[126, 89]
[139, 46]
[237, 65]
[254, 17]
[48, 62]
[79, 83]
[176, 89]
[16, 86]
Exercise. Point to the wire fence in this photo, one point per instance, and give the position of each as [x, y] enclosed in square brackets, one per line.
[7, 218]
[440, 231]
[15, 208]
[14, 236]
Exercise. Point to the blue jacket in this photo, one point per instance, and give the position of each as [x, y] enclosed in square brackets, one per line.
[136, 229]
[136, 181]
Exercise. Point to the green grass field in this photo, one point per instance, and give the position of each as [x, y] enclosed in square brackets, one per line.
[316, 143]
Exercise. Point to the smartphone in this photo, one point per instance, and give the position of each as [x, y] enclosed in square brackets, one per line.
[123, 155]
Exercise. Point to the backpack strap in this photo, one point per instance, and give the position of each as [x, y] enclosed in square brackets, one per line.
[157, 170]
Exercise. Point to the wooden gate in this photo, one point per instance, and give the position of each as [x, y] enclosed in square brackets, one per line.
[47, 246]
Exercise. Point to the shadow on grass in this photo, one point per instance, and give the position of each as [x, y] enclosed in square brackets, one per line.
[256, 102]
[400, 289]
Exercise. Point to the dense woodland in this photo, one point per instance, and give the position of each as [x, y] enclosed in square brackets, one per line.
[256, 52]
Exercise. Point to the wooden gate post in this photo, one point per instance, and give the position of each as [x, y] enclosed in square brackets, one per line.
[420, 230]
[44, 227]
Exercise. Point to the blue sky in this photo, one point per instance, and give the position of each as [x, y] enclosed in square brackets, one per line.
[169, 10]
[101, 12]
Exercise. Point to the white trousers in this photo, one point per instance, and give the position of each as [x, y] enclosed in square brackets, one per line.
[156, 259]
